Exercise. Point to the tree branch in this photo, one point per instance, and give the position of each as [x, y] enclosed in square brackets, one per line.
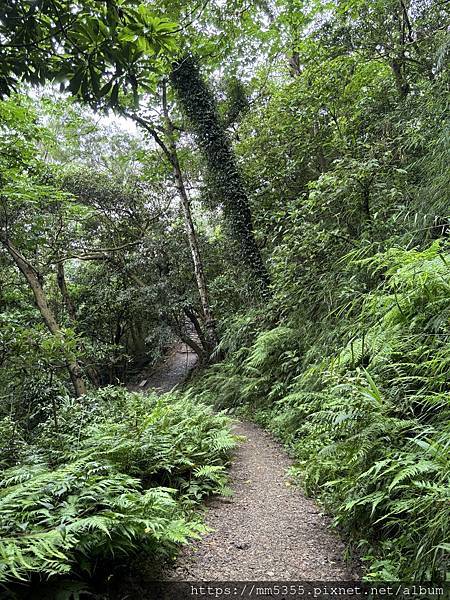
[145, 125]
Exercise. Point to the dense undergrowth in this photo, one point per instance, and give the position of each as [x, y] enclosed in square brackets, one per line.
[366, 418]
[317, 159]
[116, 474]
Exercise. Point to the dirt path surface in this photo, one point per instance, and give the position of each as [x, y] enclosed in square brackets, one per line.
[268, 530]
[168, 374]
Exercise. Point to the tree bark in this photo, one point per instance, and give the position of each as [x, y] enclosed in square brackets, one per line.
[67, 300]
[212, 338]
[196, 323]
[398, 62]
[32, 277]
[203, 356]
[398, 69]
[169, 147]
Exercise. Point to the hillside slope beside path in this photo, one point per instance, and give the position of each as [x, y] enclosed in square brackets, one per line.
[268, 530]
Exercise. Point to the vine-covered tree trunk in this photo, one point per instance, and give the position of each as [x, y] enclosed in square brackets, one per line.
[399, 61]
[49, 318]
[200, 107]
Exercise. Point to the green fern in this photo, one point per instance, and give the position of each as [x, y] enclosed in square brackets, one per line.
[68, 517]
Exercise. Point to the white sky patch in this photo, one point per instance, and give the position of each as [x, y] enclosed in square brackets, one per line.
[119, 122]
[102, 118]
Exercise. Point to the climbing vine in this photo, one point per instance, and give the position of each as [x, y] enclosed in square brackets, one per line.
[200, 107]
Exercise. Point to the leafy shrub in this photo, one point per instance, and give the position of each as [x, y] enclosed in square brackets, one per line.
[115, 473]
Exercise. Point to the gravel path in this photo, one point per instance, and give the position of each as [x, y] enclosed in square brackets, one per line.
[168, 374]
[268, 530]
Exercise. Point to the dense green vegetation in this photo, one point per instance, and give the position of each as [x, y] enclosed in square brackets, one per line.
[81, 493]
[369, 423]
[272, 176]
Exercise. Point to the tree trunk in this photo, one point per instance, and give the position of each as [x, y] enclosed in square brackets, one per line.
[398, 69]
[203, 356]
[294, 64]
[138, 339]
[169, 148]
[212, 338]
[398, 62]
[200, 107]
[61, 279]
[196, 323]
[32, 277]
[67, 300]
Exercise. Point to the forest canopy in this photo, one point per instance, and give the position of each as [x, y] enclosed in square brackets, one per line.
[266, 183]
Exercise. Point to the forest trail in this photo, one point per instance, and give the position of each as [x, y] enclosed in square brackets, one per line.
[268, 529]
[172, 371]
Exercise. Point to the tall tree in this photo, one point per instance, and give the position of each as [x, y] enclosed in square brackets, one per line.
[200, 107]
[169, 130]
[166, 140]
[34, 280]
